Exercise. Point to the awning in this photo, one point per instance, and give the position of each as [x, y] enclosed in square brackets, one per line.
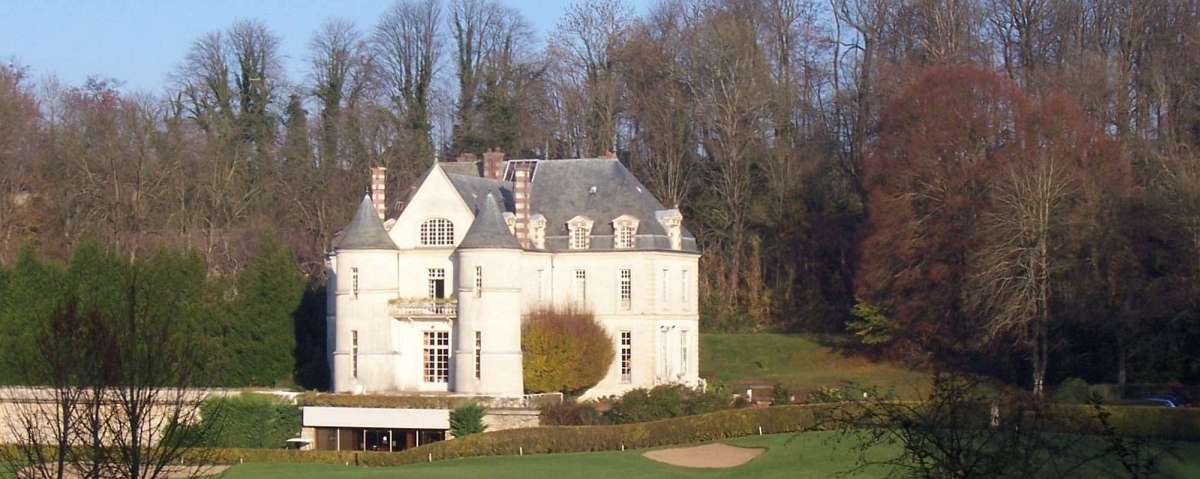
[376, 418]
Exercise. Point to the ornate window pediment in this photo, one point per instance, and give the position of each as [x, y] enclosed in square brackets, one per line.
[580, 230]
[624, 231]
[672, 221]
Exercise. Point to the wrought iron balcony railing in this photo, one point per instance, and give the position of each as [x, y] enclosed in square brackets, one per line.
[423, 308]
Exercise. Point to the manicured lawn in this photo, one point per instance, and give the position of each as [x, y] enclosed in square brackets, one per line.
[791, 456]
[799, 362]
[809, 455]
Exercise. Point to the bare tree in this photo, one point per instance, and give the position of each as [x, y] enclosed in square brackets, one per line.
[408, 45]
[336, 57]
[1017, 268]
[587, 39]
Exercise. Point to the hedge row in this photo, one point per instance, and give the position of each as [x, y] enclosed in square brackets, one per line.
[425, 402]
[1162, 423]
[555, 439]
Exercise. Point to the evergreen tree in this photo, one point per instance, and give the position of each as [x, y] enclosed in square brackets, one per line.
[33, 292]
[262, 340]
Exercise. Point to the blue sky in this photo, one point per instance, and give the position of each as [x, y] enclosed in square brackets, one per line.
[141, 42]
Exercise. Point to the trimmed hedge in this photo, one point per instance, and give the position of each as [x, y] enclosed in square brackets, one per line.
[425, 402]
[1162, 423]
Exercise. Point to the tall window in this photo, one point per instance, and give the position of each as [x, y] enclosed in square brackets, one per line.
[478, 353]
[626, 356]
[624, 235]
[626, 289]
[540, 281]
[437, 232]
[580, 288]
[683, 289]
[580, 237]
[478, 281]
[666, 290]
[354, 280]
[437, 356]
[354, 353]
[683, 352]
[437, 282]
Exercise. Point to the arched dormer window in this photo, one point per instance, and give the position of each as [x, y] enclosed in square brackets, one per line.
[580, 229]
[437, 232]
[624, 232]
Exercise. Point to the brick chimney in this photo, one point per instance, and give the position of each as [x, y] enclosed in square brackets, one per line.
[379, 190]
[522, 184]
[609, 155]
[491, 164]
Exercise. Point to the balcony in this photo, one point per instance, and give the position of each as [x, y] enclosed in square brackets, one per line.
[423, 308]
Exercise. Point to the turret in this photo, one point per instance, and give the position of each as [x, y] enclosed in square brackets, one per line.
[488, 329]
[364, 279]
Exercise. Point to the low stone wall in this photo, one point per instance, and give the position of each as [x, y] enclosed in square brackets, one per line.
[501, 419]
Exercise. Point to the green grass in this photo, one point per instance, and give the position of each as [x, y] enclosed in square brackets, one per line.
[808, 455]
[798, 362]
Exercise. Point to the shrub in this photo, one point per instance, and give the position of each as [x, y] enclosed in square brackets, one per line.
[247, 421]
[780, 395]
[466, 420]
[566, 351]
[1073, 390]
[662, 402]
[572, 414]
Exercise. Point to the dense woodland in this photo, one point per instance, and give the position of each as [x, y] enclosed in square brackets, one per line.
[1010, 186]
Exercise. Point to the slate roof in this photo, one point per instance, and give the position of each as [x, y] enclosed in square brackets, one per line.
[489, 229]
[365, 230]
[562, 190]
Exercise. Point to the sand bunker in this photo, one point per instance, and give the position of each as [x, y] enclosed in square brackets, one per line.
[711, 456]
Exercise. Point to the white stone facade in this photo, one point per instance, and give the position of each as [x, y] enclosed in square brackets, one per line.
[411, 316]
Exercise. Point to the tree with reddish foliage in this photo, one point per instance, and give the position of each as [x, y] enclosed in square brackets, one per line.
[927, 181]
[983, 205]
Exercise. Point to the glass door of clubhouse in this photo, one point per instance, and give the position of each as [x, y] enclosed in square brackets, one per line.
[372, 439]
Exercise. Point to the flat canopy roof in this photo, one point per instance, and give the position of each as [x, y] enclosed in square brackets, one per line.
[377, 418]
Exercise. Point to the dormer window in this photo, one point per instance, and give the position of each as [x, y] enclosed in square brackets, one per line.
[672, 221]
[580, 229]
[537, 231]
[624, 232]
[437, 232]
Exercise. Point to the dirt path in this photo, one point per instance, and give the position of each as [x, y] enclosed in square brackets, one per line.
[710, 456]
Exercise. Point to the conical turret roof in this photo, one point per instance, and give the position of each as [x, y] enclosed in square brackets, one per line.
[366, 230]
[489, 229]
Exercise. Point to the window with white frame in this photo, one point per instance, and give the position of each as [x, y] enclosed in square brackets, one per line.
[354, 280]
[666, 282]
[437, 357]
[626, 288]
[478, 281]
[541, 295]
[580, 237]
[626, 357]
[624, 236]
[437, 232]
[580, 288]
[478, 354]
[683, 288]
[683, 352]
[354, 353]
[437, 282]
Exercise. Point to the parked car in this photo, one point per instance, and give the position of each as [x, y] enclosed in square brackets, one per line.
[1166, 400]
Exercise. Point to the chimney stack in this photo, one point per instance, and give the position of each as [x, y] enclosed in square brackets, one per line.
[522, 176]
[379, 190]
[491, 164]
[609, 155]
